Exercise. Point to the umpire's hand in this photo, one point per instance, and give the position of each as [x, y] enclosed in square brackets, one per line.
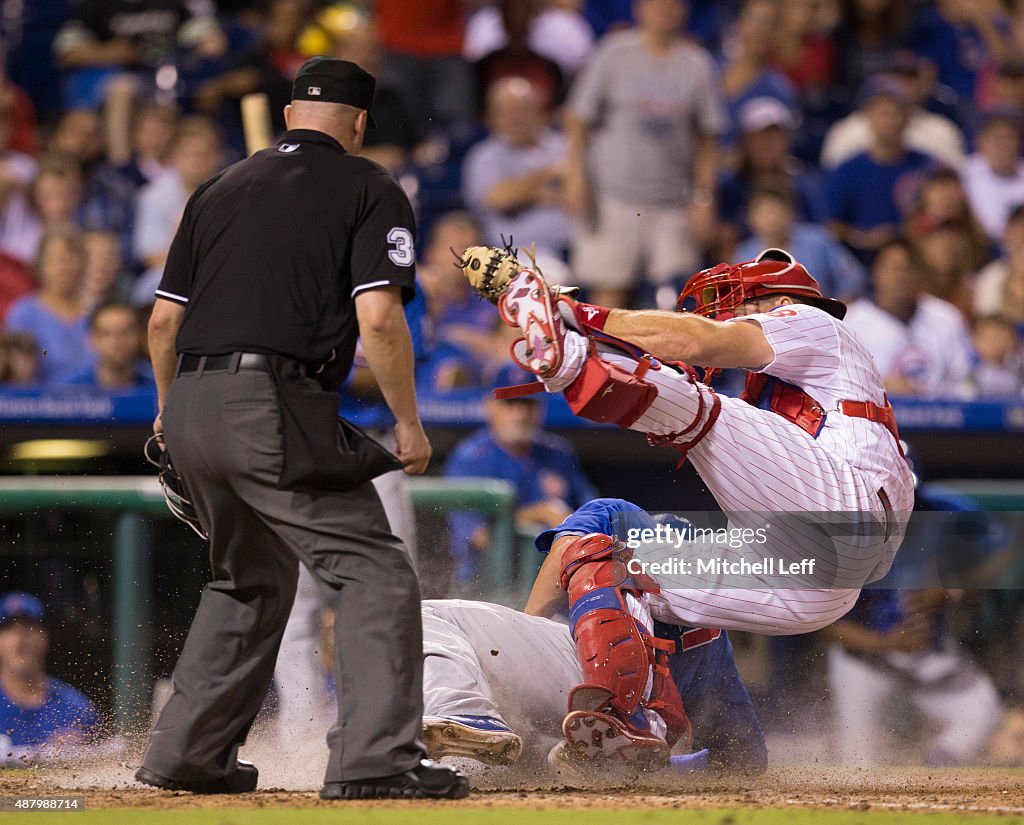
[413, 448]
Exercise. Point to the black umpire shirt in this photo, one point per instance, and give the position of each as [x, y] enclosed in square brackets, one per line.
[271, 253]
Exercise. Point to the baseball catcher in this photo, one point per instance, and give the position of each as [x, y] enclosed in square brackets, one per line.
[812, 434]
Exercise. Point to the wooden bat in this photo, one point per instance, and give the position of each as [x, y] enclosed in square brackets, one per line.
[256, 122]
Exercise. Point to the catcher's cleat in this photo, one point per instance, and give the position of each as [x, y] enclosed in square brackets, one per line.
[480, 738]
[529, 303]
[597, 737]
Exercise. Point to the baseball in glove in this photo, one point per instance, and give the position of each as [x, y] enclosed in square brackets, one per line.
[489, 269]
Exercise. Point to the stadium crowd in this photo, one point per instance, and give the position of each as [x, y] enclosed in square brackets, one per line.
[632, 142]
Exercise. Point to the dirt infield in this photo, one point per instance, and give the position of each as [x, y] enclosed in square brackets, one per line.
[997, 791]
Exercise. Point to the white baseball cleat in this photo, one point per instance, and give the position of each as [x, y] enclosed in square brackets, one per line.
[530, 304]
[481, 738]
[598, 737]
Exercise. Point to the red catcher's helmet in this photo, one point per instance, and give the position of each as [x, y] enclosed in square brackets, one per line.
[717, 291]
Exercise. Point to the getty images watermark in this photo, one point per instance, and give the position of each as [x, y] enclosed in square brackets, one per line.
[685, 534]
[704, 552]
[956, 548]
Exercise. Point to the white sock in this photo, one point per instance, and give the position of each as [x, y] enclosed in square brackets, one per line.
[574, 354]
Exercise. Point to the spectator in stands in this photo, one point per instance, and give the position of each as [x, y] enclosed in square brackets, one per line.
[104, 278]
[460, 331]
[772, 217]
[54, 202]
[920, 343]
[269, 67]
[942, 199]
[766, 158]
[999, 369]
[79, 133]
[40, 716]
[24, 126]
[999, 289]
[115, 336]
[869, 35]
[53, 316]
[1008, 85]
[422, 44]
[19, 360]
[543, 468]
[961, 37]
[521, 38]
[802, 50]
[17, 169]
[105, 38]
[807, 54]
[113, 187]
[642, 155]
[514, 179]
[927, 132]
[555, 31]
[867, 194]
[195, 156]
[994, 175]
[944, 249]
[398, 137]
[747, 72]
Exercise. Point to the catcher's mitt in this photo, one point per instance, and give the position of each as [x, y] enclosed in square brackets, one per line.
[489, 269]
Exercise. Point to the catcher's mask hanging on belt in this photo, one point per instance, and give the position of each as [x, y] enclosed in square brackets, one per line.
[176, 494]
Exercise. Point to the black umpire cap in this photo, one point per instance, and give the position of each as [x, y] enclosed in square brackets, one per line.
[330, 80]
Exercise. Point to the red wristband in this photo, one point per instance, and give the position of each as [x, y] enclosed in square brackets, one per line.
[591, 316]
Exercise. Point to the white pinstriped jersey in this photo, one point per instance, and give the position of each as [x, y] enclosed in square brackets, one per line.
[756, 462]
[825, 358]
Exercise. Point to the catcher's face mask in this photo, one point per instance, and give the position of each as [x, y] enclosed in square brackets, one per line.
[176, 494]
[718, 291]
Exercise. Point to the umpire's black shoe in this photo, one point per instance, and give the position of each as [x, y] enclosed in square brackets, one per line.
[428, 780]
[242, 780]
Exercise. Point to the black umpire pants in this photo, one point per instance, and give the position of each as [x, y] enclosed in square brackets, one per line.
[223, 431]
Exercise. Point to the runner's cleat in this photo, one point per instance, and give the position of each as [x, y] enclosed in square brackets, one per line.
[481, 738]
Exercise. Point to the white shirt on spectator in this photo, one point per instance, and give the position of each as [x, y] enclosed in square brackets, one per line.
[157, 214]
[20, 227]
[992, 196]
[933, 350]
[158, 211]
[926, 132]
[989, 287]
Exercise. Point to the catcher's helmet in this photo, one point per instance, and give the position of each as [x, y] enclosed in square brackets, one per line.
[716, 292]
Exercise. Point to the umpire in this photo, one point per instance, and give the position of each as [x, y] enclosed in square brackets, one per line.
[279, 263]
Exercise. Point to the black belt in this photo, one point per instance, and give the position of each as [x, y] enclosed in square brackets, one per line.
[232, 361]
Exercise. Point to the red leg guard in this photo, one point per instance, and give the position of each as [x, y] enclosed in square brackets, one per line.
[665, 699]
[615, 651]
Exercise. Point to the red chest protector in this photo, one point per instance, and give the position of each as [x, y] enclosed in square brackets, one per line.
[796, 406]
[787, 400]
